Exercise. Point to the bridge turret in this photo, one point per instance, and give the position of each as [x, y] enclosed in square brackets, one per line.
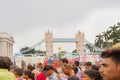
[49, 43]
[80, 40]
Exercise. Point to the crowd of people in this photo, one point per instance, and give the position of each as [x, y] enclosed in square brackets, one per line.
[108, 69]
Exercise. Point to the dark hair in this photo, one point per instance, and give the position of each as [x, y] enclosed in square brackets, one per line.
[67, 66]
[113, 53]
[30, 67]
[75, 69]
[48, 67]
[30, 74]
[64, 60]
[88, 63]
[39, 65]
[5, 62]
[95, 67]
[56, 71]
[93, 74]
[18, 71]
[77, 63]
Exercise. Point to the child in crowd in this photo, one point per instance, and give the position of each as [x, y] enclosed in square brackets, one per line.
[18, 72]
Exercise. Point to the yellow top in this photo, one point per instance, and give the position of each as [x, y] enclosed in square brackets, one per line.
[6, 75]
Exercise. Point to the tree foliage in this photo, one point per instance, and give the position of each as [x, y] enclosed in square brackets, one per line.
[63, 51]
[41, 52]
[108, 38]
[74, 51]
[28, 50]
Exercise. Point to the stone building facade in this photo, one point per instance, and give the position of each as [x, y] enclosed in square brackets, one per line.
[6, 44]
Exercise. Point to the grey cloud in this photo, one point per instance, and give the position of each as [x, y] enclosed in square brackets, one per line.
[20, 15]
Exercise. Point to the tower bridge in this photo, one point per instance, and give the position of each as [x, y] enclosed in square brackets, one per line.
[49, 40]
[79, 40]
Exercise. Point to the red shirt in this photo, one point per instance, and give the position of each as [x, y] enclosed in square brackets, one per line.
[41, 76]
[55, 64]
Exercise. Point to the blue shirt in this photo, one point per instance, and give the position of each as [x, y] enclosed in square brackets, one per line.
[53, 77]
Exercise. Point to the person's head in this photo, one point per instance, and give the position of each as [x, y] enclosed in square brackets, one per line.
[110, 64]
[67, 69]
[28, 75]
[5, 62]
[63, 61]
[75, 69]
[40, 65]
[12, 67]
[18, 72]
[91, 75]
[76, 64]
[95, 67]
[30, 67]
[88, 65]
[49, 69]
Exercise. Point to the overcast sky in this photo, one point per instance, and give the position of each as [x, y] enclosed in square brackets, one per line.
[27, 20]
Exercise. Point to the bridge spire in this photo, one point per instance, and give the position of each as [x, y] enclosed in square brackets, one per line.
[80, 40]
[49, 43]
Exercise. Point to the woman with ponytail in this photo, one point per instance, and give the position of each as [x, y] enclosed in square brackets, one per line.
[28, 75]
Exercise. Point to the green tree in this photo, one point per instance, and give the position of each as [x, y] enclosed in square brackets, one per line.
[89, 46]
[115, 34]
[74, 51]
[41, 52]
[108, 38]
[99, 40]
[27, 50]
[62, 53]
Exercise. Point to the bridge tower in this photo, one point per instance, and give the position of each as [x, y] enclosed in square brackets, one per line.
[6, 45]
[80, 40]
[49, 43]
